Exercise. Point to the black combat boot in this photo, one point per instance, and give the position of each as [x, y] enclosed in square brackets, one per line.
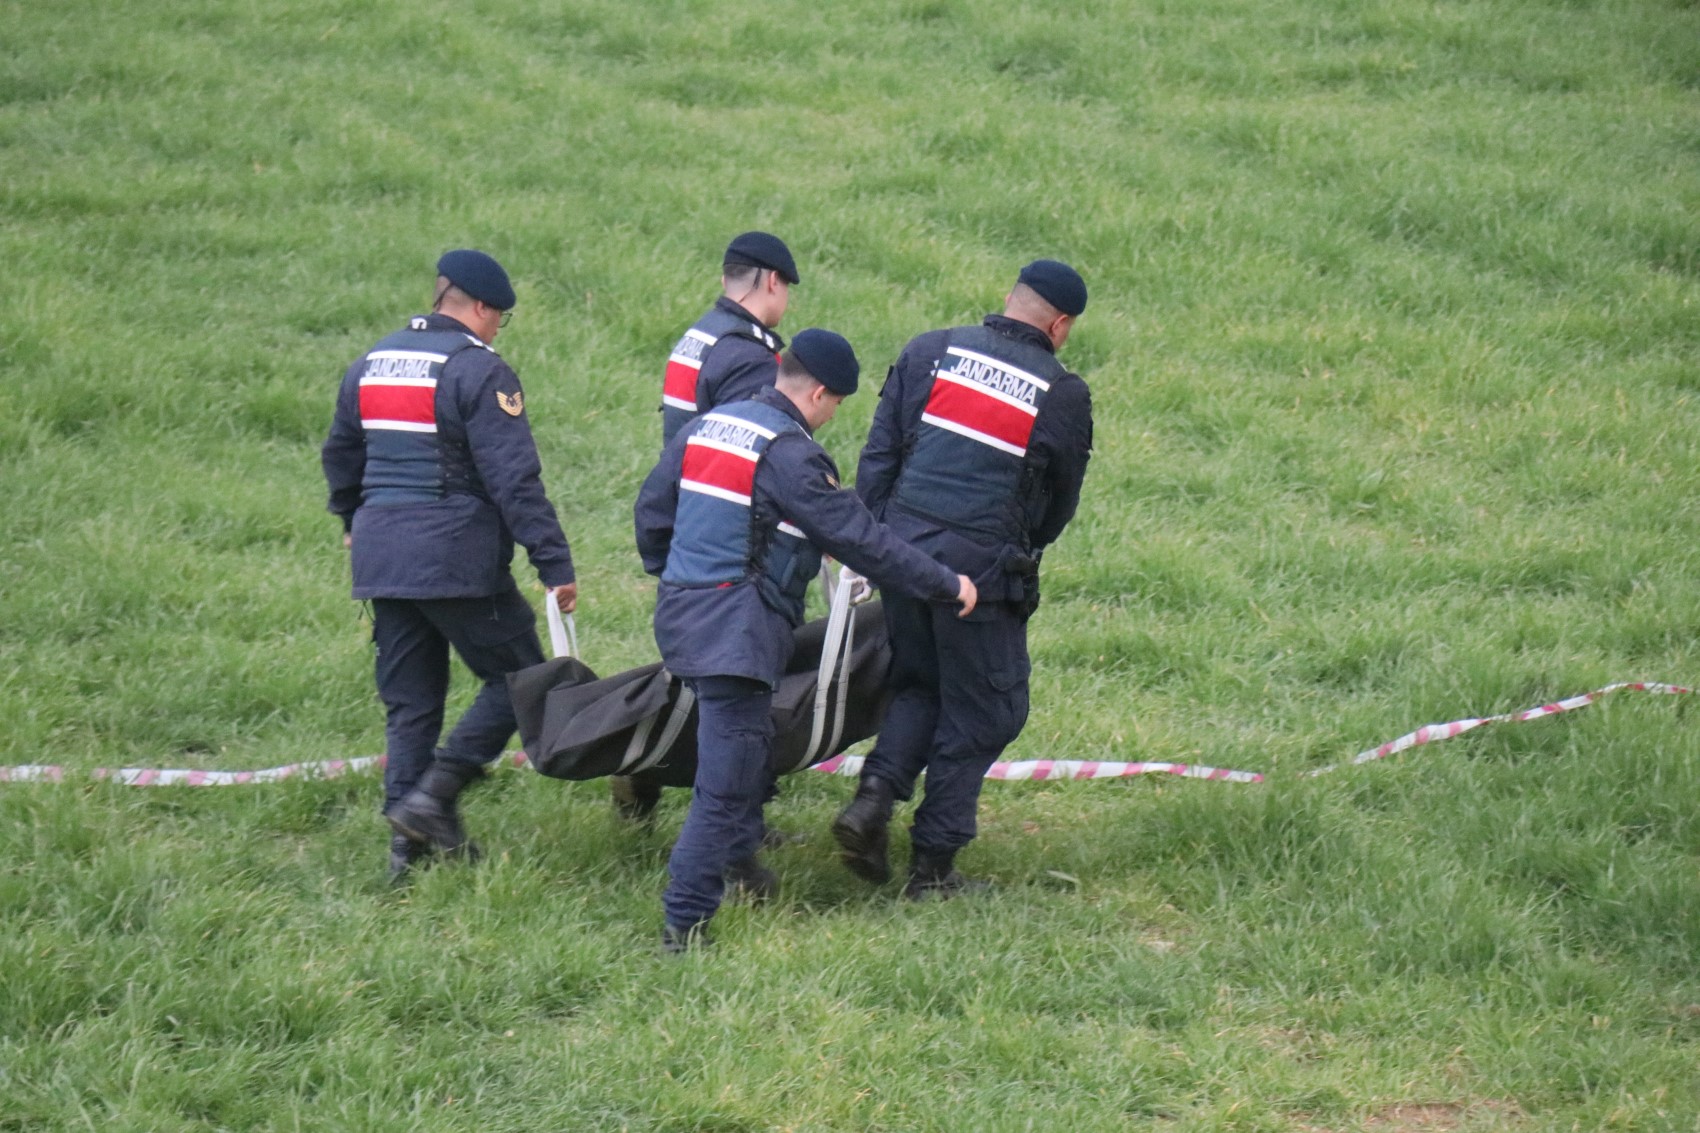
[427, 813]
[752, 881]
[405, 853]
[860, 830]
[634, 799]
[932, 875]
[676, 940]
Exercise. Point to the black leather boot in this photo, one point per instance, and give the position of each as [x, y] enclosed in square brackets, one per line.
[861, 830]
[427, 813]
[634, 799]
[676, 940]
[752, 881]
[933, 875]
[405, 853]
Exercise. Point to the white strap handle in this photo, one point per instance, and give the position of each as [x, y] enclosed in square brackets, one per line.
[834, 674]
[563, 636]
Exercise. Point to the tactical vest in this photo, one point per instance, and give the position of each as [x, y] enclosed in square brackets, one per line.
[679, 386]
[968, 465]
[717, 539]
[416, 450]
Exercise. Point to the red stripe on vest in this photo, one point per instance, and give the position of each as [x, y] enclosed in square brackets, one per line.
[416, 404]
[681, 381]
[719, 469]
[980, 412]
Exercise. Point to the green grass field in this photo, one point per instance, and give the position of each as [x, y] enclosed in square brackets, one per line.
[1395, 347]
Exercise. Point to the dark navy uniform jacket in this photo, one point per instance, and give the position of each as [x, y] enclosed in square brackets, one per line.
[732, 629]
[432, 467]
[1057, 452]
[743, 359]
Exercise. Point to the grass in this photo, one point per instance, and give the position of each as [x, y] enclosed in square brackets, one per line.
[1394, 341]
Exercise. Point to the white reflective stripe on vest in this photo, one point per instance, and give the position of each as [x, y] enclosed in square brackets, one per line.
[710, 490]
[398, 426]
[974, 434]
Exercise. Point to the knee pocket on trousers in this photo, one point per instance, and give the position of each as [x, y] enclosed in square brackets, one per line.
[1011, 717]
[1013, 672]
[1011, 683]
[1001, 711]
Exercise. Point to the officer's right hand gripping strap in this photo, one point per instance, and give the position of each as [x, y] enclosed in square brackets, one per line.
[563, 635]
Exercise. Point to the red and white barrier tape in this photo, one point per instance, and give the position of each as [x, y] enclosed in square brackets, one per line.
[1035, 769]
[159, 777]
[1068, 769]
[1432, 733]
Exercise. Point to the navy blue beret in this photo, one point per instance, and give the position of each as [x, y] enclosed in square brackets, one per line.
[1057, 284]
[479, 275]
[828, 359]
[763, 250]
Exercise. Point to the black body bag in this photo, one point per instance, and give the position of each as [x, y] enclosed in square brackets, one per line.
[643, 722]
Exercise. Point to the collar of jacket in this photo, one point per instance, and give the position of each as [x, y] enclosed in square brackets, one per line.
[1025, 332]
[436, 320]
[733, 307]
[768, 395]
[736, 310]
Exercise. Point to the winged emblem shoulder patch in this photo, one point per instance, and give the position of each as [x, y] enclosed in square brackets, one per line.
[513, 404]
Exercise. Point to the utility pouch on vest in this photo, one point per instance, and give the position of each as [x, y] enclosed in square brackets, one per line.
[1029, 596]
[1026, 568]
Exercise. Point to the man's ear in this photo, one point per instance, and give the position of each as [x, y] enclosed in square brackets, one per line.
[1060, 327]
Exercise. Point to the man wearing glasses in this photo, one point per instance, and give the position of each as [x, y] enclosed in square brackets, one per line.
[432, 468]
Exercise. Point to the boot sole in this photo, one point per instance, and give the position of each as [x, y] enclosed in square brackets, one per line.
[864, 853]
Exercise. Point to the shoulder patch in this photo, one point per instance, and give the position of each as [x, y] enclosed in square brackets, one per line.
[513, 404]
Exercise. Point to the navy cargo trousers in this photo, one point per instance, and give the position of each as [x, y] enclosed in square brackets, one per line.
[494, 635]
[724, 824]
[959, 697]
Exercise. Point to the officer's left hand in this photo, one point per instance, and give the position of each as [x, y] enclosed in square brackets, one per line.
[966, 594]
[566, 597]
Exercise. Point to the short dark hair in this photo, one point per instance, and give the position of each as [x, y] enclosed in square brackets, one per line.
[447, 292]
[791, 370]
[741, 273]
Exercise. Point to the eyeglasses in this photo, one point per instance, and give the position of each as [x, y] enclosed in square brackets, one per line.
[506, 316]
